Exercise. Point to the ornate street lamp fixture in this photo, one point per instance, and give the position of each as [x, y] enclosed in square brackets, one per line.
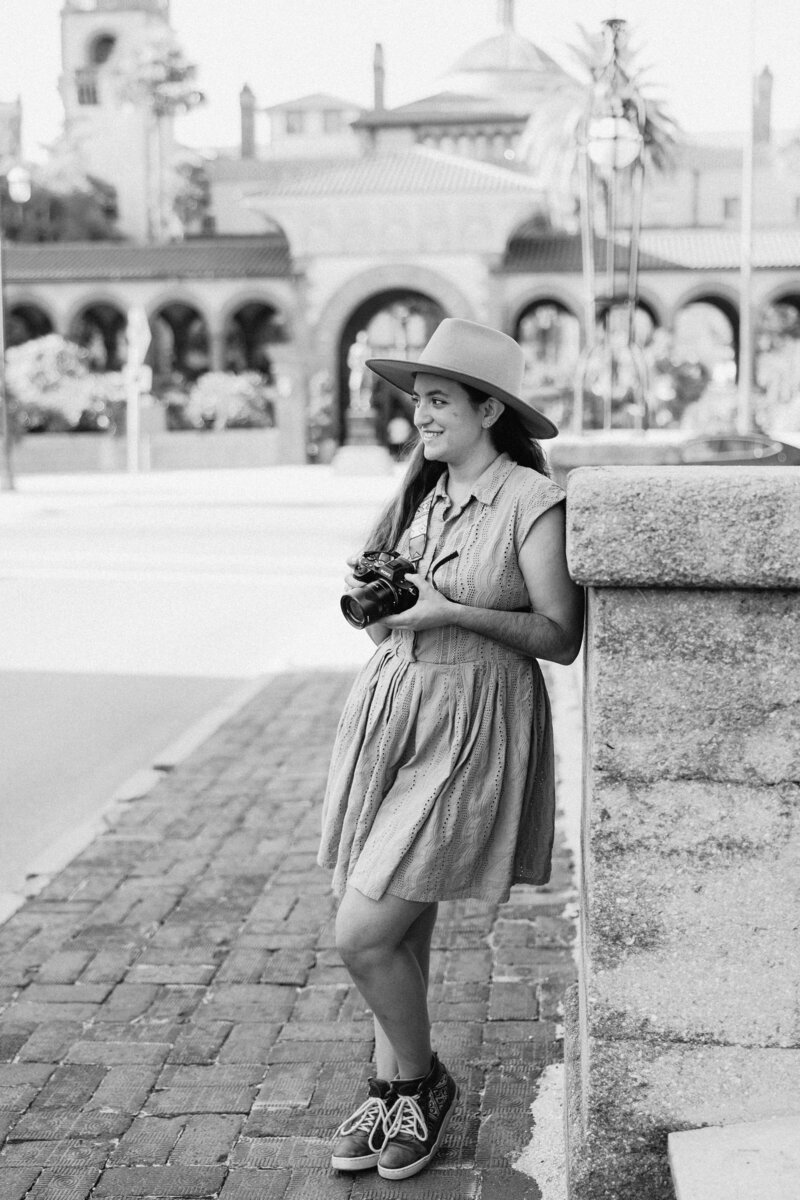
[19, 190]
[611, 162]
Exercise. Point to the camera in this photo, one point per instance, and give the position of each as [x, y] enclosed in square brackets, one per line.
[382, 589]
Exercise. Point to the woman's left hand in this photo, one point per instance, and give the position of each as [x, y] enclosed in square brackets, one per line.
[431, 610]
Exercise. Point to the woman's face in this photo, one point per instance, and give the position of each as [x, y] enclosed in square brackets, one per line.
[449, 424]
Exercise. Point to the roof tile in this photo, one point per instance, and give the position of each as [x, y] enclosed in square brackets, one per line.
[664, 250]
[420, 169]
[207, 258]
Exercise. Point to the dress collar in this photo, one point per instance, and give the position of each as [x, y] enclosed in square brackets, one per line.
[487, 485]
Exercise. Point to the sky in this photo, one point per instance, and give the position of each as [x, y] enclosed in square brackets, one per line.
[701, 53]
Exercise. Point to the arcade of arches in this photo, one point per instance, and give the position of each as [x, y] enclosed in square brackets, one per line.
[700, 347]
[182, 346]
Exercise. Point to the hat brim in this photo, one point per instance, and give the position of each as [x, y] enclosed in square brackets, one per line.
[401, 374]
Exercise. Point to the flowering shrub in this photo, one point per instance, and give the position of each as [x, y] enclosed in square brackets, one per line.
[53, 390]
[222, 400]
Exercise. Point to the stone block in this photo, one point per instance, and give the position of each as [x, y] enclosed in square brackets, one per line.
[642, 1091]
[694, 684]
[757, 1160]
[684, 526]
[671, 955]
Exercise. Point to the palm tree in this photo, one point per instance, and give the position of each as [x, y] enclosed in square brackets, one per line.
[551, 140]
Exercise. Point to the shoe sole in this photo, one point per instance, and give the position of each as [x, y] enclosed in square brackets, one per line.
[421, 1163]
[365, 1163]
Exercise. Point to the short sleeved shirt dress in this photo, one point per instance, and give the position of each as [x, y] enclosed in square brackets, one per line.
[441, 784]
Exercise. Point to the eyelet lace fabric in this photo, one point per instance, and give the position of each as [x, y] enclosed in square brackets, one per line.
[441, 783]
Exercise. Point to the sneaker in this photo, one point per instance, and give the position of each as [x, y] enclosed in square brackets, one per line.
[417, 1122]
[360, 1138]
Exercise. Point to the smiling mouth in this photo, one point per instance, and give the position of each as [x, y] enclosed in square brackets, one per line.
[427, 434]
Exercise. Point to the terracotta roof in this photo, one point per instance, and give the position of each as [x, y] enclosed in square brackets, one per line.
[450, 108]
[417, 170]
[206, 258]
[312, 102]
[663, 250]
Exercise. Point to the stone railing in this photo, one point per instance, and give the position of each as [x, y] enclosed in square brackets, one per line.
[686, 1013]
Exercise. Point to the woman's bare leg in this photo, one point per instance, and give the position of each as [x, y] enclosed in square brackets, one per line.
[371, 936]
[418, 940]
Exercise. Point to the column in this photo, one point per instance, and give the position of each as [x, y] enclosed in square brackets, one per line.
[686, 1010]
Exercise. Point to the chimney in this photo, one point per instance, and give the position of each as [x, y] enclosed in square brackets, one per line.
[762, 108]
[379, 78]
[247, 108]
[505, 15]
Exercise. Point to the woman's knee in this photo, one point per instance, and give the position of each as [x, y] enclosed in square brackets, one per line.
[357, 943]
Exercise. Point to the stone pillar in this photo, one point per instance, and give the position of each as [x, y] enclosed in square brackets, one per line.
[291, 401]
[686, 1013]
[216, 347]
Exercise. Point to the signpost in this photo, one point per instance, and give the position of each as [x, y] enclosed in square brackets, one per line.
[138, 379]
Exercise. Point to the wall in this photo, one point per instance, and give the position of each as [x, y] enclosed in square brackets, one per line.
[73, 453]
[686, 1013]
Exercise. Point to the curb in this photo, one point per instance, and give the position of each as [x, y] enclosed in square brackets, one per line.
[60, 853]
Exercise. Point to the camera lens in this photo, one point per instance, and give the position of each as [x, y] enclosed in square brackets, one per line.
[365, 605]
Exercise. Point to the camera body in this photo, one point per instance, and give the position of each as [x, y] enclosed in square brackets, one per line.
[382, 590]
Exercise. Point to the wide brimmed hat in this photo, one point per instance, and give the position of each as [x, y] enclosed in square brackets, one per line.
[474, 355]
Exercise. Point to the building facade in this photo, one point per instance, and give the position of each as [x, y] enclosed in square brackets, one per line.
[339, 228]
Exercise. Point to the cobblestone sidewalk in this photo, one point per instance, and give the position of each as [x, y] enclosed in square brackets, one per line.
[175, 1021]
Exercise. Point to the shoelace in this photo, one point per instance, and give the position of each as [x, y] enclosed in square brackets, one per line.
[369, 1118]
[406, 1117]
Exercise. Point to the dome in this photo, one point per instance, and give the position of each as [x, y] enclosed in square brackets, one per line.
[507, 51]
[503, 65]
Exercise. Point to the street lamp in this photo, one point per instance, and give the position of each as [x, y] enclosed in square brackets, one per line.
[611, 162]
[19, 190]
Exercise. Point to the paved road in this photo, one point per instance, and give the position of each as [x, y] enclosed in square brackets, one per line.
[137, 604]
[70, 740]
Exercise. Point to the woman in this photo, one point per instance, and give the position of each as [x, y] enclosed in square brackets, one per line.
[441, 780]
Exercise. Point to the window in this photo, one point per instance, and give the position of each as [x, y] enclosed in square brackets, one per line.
[332, 120]
[295, 121]
[101, 49]
[86, 83]
[731, 208]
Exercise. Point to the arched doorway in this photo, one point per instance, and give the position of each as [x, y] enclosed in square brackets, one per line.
[250, 332]
[100, 329]
[395, 323]
[25, 322]
[777, 364]
[549, 334]
[180, 350]
[706, 330]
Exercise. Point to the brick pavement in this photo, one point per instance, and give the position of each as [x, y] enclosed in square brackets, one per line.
[174, 1020]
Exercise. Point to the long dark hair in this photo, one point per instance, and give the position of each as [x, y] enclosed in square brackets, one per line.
[508, 435]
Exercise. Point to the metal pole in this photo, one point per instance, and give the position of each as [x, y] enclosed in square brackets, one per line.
[744, 413]
[588, 264]
[6, 428]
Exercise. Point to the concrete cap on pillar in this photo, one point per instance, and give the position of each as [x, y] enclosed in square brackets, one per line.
[714, 527]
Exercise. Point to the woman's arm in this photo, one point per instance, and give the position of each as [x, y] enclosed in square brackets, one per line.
[378, 633]
[553, 630]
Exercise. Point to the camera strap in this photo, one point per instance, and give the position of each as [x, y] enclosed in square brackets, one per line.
[418, 529]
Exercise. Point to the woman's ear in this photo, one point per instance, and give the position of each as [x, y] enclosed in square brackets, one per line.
[492, 410]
